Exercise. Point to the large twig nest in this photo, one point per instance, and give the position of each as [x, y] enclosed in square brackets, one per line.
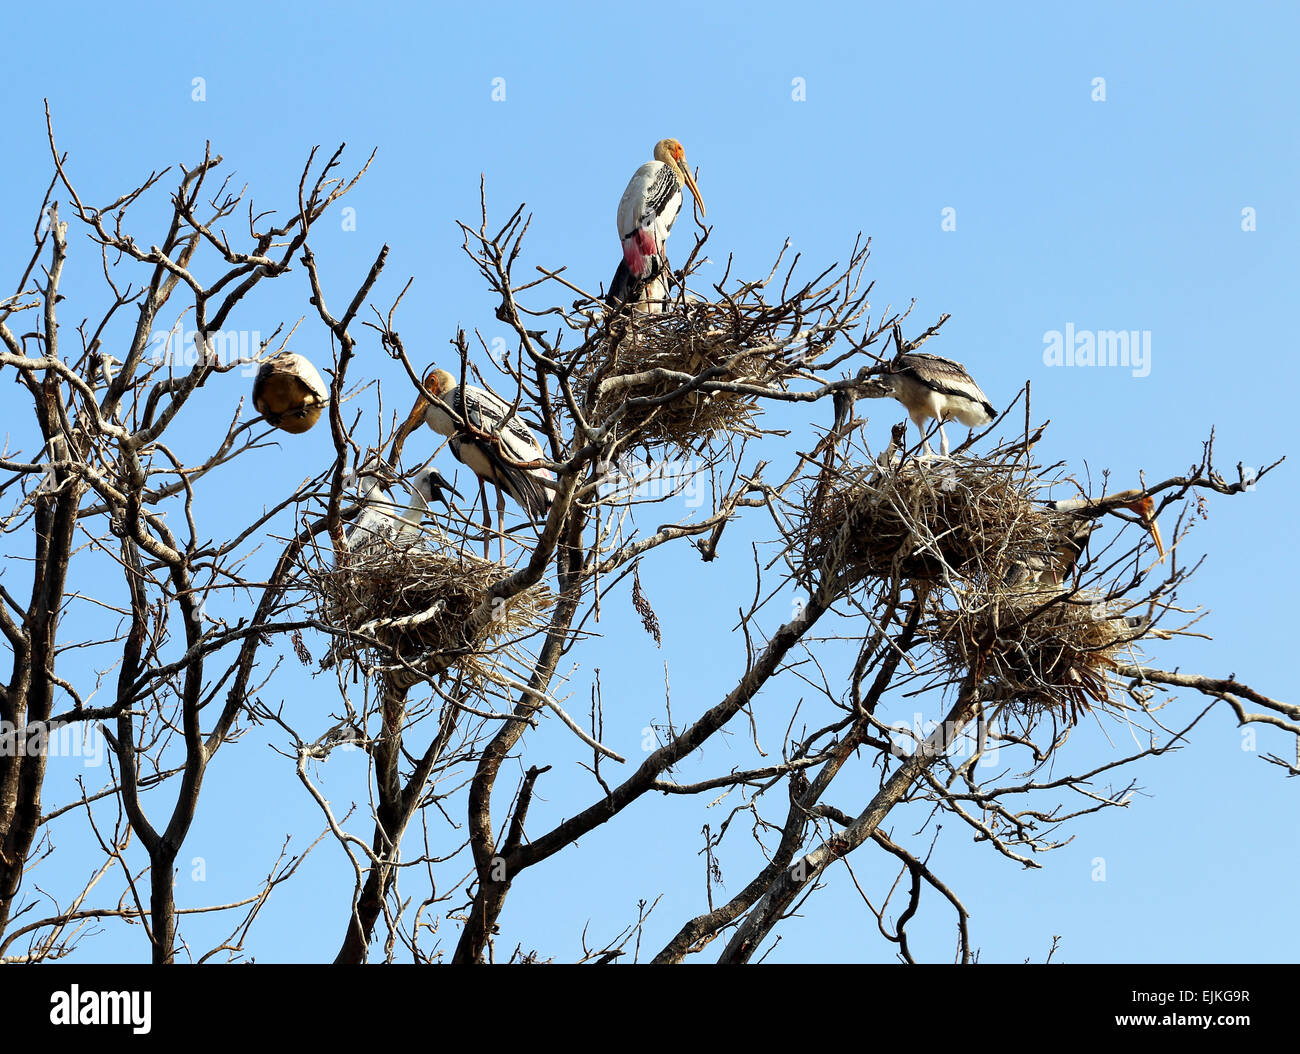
[1046, 650]
[415, 602]
[644, 350]
[920, 521]
[956, 528]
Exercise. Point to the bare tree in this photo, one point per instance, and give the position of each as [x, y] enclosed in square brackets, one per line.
[944, 579]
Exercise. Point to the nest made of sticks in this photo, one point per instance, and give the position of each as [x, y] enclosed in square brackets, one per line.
[1044, 650]
[918, 521]
[952, 530]
[415, 601]
[688, 337]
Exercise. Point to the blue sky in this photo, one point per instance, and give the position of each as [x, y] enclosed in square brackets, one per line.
[1125, 214]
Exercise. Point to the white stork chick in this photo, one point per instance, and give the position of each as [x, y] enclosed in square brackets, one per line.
[490, 440]
[382, 523]
[933, 387]
[646, 214]
[289, 393]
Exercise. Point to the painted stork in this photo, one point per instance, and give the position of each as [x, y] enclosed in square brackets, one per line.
[1075, 520]
[382, 523]
[289, 393]
[646, 214]
[487, 437]
[933, 387]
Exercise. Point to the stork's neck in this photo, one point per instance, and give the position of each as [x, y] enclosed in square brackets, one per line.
[366, 486]
[419, 505]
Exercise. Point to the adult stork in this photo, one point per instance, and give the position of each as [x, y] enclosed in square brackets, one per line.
[646, 214]
[487, 437]
[933, 387]
[382, 523]
[1073, 520]
[289, 392]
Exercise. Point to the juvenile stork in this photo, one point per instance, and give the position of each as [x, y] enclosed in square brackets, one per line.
[933, 387]
[289, 392]
[646, 214]
[1073, 520]
[382, 523]
[487, 437]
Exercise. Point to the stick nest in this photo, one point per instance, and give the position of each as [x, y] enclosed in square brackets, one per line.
[1039, 652]
[957, 527]
[739, 337]
[415, 603]
[921, 521]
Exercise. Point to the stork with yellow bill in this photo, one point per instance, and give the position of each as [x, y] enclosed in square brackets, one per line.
[1073, 521]
[488, 437]
[646, 214]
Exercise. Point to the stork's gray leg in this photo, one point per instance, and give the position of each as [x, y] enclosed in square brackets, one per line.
[487, 518]
[501, 521]
[943, 441]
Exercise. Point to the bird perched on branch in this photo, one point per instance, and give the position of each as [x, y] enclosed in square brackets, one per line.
[933, 387]
[1073, 521]
[489, 438]
[646, 214]
[289, 393]
[382, 522]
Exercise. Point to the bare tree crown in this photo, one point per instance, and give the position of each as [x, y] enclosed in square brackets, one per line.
[877, 581]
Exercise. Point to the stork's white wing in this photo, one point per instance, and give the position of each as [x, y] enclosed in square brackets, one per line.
[490, 415]
[945, 376]
[652, 200]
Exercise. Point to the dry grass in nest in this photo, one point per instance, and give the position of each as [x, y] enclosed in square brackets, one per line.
[415, 602]
[956, 527]
[687, 338]
[921, 521]
[1042, 650]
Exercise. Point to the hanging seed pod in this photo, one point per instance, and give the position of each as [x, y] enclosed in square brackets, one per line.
[289, 393]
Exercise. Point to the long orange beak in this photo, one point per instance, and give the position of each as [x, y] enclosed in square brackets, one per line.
[412, 422]
[1146, 508]
[690, 182]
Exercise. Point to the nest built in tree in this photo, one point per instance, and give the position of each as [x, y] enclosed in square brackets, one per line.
[414, 603]
[650, 357]
[1041, 650]
[953, 531]
[922, 521]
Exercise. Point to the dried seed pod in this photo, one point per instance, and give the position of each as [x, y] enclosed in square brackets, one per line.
[289, 393]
